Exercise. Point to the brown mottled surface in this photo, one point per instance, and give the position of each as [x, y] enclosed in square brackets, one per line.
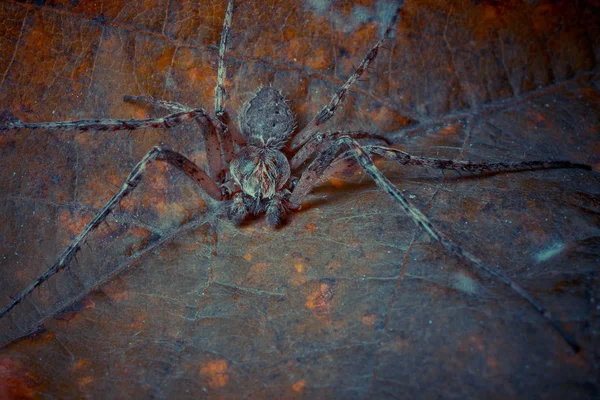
[348, 299]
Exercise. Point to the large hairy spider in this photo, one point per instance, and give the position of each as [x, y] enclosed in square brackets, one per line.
[258, 178]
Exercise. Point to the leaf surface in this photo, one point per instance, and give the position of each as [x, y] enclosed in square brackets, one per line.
[348, 299]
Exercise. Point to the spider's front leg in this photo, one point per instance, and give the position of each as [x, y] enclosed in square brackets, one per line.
[329, 110]
[311, 176]
[156, 153]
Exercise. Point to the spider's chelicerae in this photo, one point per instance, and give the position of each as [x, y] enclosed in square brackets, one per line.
[258, 178]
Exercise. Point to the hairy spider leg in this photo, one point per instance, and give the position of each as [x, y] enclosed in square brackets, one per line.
[156, 153]
[167, 105]
[168, 121]
[227, 150]
[318, 141]
[315, 170]
[210, 127]
[404, 158]
[327, 112]
[222, 69]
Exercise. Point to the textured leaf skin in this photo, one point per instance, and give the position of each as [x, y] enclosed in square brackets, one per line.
[348, 299]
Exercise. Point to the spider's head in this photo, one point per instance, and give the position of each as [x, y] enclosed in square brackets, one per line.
[266, 120]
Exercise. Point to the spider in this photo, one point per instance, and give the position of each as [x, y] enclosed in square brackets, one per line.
[258, 178]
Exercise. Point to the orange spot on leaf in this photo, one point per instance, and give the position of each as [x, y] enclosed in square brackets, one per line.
[492, 363]
[259, 267]
[311, 227]
[298, 386]
[333, 265]
[15, 381]
[216, 372]
[71, 223]
[86, 380]
[319, 59]
[368, 319]
[116, 292]
[75, 309]
[80, 364]
[139, 322]
[320, 300]
[448, 131]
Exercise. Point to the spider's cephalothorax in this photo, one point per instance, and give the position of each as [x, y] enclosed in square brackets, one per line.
[260, 169]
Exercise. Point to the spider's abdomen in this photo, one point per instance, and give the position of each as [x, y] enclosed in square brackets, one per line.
[266, 119]
[260, 172]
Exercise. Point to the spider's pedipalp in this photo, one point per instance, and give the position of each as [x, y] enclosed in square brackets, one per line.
[237, 210]
[276, 209]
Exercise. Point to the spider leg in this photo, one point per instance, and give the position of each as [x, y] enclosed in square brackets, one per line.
[320, 140]
[222, 71]
[132, 181]
[193, 172]
[226, 140]
[168, 105]
[327, 112]
[110, 124]
[237, 210]
[313, 173]
[276, 209]
[210, 127]
[404, 158]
